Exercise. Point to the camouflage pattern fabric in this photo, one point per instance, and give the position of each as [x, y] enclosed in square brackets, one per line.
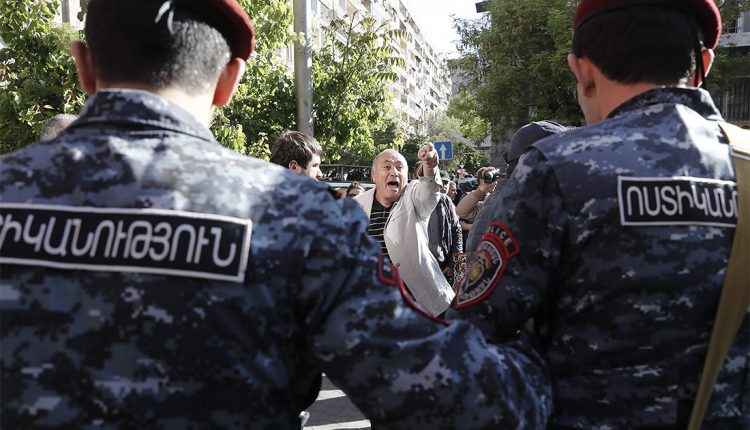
[616, 237]
[129, 346]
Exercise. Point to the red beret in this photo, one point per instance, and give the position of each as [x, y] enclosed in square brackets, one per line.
[234, 22]
[705, 11]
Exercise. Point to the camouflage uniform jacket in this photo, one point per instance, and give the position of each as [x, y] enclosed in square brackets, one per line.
[152, 279]
[616, 237]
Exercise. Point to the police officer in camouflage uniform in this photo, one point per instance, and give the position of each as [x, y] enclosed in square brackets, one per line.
[615, 237]
[152, 279]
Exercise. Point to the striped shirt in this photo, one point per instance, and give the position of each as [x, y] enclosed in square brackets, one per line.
[378, 218]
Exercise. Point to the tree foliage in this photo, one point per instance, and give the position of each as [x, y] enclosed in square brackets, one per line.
[515, 66]
[514, 56]
[38, 79]
[351, 73]
[264, 103]
[443, 126]
[730, 63]
[464, 108]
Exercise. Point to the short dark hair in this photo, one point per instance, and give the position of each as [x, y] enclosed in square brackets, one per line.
[644, 44]
[353, 186]
[293, 145]
[128, 44]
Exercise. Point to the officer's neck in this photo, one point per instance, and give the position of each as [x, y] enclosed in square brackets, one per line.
[609, 95]
[197, 104]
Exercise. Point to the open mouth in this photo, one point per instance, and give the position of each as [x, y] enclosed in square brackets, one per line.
[393, 185]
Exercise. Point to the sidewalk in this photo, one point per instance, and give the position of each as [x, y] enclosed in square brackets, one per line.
[333, 410]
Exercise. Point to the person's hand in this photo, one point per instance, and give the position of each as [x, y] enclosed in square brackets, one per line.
[483, 186]
[428, 155]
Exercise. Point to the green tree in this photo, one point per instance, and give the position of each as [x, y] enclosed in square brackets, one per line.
[514, 61]
[351, 75]
[264, 103]
[390, 133]
[351, 72]
[410, 149]
[730, 63]
[464, 107]
[37, 73]
[443, 127]
[514, 58]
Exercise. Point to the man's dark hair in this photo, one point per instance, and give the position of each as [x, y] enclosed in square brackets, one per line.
[128, 44]
[644, 44]
[293, 145]
[353, 186]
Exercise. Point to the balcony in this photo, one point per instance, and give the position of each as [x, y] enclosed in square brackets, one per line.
[736, 34]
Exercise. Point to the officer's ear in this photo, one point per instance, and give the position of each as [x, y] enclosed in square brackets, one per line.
[708, 60]
[85, 66]
[583, 70]
[228, 81]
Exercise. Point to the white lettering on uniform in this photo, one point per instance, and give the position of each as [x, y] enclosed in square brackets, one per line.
[60, 248]
[78, 252]
[216, 231]
[35, 240]
[161, 240]
[190, 230]
[131, 247]
[134, 240]
[651, 201]
[9, 224]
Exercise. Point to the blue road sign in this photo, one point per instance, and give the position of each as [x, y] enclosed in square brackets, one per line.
[444, 150]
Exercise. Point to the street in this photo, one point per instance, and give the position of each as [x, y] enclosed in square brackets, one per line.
[333, 410]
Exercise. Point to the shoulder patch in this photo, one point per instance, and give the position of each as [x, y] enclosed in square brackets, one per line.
[677, 201]
[487, 266]
[387, 272]
[156, 241]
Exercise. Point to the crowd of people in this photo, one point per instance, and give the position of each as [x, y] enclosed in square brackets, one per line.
[152, 279]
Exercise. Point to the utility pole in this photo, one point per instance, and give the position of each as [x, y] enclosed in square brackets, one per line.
[303, 67]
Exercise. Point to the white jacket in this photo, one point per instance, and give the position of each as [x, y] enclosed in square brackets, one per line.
[406, 239]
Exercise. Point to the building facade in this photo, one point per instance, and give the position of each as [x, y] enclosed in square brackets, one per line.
[735, 103]
[424, 85]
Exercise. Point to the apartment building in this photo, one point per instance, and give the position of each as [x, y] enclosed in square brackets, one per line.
[424, 84]
[735, 103]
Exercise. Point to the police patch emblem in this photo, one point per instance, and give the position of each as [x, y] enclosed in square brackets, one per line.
[487, 266]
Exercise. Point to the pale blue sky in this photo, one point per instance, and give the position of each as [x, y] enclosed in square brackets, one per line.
[434, 18]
